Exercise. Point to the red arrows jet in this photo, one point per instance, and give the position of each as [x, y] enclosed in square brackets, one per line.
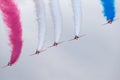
[110, 21]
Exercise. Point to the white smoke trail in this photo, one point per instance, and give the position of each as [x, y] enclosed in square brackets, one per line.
[57, 19]
[77, 15]
[40, 11]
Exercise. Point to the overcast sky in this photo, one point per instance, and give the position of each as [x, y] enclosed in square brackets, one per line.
[93, 57]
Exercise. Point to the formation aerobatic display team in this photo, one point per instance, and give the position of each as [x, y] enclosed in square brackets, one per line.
[11, 17]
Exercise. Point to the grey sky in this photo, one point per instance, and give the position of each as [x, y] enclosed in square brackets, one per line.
[93, 57]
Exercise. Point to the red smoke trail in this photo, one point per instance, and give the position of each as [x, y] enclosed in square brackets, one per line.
[12, 19]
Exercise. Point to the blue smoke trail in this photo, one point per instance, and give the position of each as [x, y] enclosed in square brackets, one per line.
[109, 9]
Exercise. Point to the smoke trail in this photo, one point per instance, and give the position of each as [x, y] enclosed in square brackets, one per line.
[56, 13]
[77, 15]
[12, 19]
[109, 9]
[40, 11]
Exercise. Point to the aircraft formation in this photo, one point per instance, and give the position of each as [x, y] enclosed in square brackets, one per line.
[11, 17]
